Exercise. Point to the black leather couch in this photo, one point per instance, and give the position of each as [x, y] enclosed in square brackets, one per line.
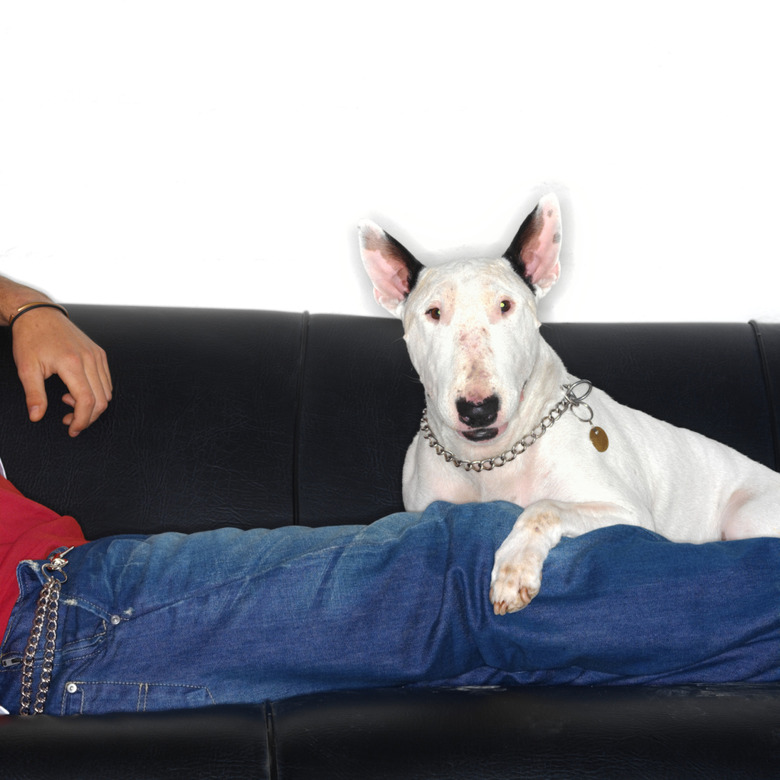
[248, 418]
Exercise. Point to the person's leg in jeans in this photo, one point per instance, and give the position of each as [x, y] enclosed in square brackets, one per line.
[244, 616]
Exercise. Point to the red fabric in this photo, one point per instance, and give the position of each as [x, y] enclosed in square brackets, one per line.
[27, 531]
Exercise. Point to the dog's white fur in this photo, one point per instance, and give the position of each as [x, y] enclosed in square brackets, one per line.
[472, 333]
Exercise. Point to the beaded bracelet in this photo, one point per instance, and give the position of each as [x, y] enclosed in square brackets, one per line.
[36, 305]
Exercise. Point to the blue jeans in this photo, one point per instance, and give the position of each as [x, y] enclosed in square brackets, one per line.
[172, 620]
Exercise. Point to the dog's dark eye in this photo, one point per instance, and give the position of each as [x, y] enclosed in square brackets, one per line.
[506, 307]
[434, 313]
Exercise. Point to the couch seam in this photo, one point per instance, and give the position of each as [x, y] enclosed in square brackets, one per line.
[768, 389]
[270, 741]
[299, 394]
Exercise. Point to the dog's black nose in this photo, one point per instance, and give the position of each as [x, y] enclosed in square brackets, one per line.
[478, 415]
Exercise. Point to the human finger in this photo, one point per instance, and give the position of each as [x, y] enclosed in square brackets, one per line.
[34, 392]
[81, 398]
[88, 400]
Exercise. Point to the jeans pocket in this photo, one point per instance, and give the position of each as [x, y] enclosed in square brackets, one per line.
[81, 697]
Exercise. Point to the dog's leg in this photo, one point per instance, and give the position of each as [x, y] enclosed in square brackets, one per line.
[517, 570]
[751, 513]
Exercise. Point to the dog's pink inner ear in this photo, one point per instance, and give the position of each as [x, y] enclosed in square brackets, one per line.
[535, 250]
[389, 275]
[392, 268]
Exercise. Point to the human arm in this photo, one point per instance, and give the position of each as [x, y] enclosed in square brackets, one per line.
[46, 342]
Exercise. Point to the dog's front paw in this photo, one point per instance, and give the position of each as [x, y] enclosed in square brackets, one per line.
[517, 569]
[515, 581]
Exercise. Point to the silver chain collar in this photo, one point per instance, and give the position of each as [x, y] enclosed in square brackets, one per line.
[570, 400]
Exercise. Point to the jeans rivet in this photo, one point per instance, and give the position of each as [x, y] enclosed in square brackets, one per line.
[115, 620]
[71, 688]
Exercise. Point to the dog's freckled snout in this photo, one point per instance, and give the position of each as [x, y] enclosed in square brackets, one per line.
[478, 414]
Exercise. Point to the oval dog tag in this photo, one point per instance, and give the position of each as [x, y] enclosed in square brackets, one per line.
[599, 438]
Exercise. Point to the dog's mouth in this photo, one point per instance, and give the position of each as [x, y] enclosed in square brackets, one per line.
[482, 434]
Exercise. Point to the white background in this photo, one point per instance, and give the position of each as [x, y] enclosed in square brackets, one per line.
[221, 153]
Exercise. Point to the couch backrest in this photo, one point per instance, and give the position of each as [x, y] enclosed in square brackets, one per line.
[250, 418]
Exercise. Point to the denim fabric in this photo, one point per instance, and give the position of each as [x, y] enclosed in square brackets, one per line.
[168, 621]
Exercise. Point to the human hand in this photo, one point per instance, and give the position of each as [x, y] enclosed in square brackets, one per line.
[46, 342]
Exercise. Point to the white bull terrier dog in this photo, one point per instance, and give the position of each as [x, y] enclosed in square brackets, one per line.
[504, 419]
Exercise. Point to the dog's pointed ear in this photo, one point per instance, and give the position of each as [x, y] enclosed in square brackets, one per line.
[534, 251]
[391, 267]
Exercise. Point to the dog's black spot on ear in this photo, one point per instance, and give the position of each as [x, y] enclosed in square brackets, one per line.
[531, 227]
[557, 238]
